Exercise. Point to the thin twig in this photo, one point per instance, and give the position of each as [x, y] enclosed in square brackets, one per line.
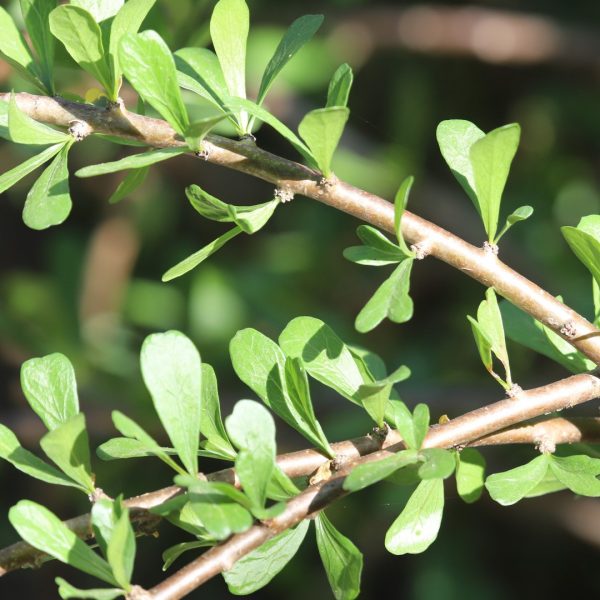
[246, 157]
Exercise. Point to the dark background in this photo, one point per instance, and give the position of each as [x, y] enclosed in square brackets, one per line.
[91, 287]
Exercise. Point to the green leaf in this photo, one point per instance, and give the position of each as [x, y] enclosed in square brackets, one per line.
[378, 250]
[412, 427]
[509, 487]
[252, 430]
[135, 161]
[491, 158]
[128, 20]
[368, 474]
[525, 330]
[455, 138]
[66, 591]
[46, 532]
[68, 447]
[23, 129]
[202, 67]
[391, 300]
[193, 260]
[298, 33]
[238, 104]
[211, 425]
[578, 473]
[520, 214]
[124, 447]
[130, 429]
[323, 354]
[322, 130]
[374, 396]
[100, 9]
[16, 52]
[470, 474]
[584, 241]
[596, 299]
[172, 372]
[229, 26]
[280, 384]
[220, 515]
[281, 487]
[255, 570]
[9, 178]
[339, 86]
[28, 463]
[198, 130]
[48, 202]
[50, 388]
[114, 534]
[148, 64]
[342, 560]
[35, 15]
[129, 184]
[171, 554]
[417, 526]
[400, 203]
[81, 36]
[439, 463]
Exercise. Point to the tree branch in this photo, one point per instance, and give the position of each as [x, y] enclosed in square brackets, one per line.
[466, 429]
[246, 157]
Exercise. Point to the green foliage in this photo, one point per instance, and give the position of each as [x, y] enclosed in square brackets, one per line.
[370, 473]
[412, 427]
[584, 240]
[470, 474]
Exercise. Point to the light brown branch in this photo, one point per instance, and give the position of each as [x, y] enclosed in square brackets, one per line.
[246, 157]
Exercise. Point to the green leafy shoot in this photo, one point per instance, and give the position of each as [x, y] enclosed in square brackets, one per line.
[198, 130]
[584, 241]
[247, 219]
[101, 10]
[322, 130]
[368, 474]
[278, 381]
[377, 250]
[520, 214]
[298, 34]
[391, 300]
[470, 474]
[66, 591]
[23, 129]
[134, 161]
[27, 462]
[252, 430]
[50, 388]
[68, 447]
[437, 463]
[400, 202]
[342, 560]
[148, 64]
[116, 538]
[45, 531]
[255, 570]
[488, 331]
[49, 202]
[133, 180]
[130, 429]
[417, 526]
[36, 16]
[413, 427]
[339, 86]
[81, 36]
[375, 395]
[211, 424]
[172, 372]
[229, 27]
[171, 554]
[16, 52]
[579, 473]
[9, 178]
[527, 331]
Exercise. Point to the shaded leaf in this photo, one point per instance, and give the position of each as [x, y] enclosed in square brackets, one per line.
[171, 554]
[520, 214]
[400, 202]
[9, 178]
[470, 474]
[198, 130]
[412, 427]
[67, 591]
[584, 241]
[439, 463]
[203, 68]
[578, 473]
[135, 161]
[129, 184]
[370, 473]
[339, 86]
[23, 129]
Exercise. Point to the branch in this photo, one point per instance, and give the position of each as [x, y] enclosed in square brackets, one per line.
[462, 430]
[471, 427]
[246, 157]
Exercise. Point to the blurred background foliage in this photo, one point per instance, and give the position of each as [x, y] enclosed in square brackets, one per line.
[91, 287]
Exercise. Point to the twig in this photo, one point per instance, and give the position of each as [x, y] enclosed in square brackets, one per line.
[248, 158]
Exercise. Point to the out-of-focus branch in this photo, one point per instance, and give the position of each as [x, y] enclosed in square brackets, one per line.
[246, 157]
[487, 34]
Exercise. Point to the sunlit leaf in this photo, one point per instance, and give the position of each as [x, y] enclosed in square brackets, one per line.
[9, 178]
[134, 161]
[339, 86]
[370, 473]
[66, 591]
[470, 474]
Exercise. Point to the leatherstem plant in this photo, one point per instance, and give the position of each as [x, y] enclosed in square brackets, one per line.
[249, 520]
